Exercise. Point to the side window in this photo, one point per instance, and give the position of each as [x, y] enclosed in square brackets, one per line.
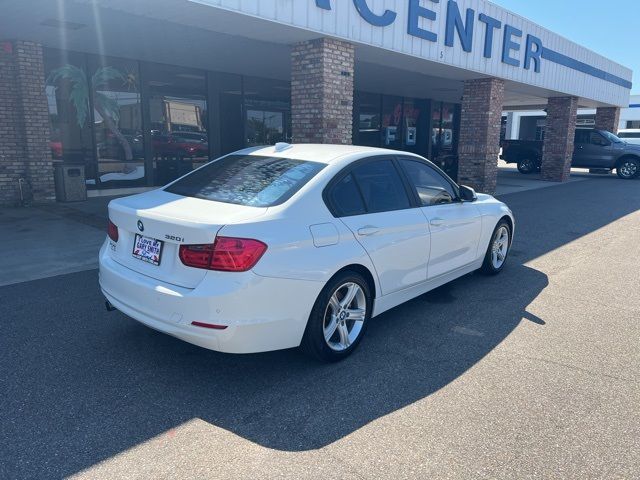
[345, 198]
[597, 139]
[381, 186]
[432, 188]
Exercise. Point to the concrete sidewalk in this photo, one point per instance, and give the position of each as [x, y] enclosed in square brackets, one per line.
[48, 240]
[510, 180]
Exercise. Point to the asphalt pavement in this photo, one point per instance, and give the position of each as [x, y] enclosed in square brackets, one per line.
[534, 373]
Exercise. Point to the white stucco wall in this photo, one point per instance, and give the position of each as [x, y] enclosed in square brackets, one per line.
[632, 113]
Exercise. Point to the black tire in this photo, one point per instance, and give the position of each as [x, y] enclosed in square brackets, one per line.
[313, 342]
[488, 268]
[527, 165]
[628, 168]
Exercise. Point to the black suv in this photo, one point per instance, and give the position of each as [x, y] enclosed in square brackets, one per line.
[594, 149]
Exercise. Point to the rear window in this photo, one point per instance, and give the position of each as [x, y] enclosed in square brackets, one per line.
[251, 180]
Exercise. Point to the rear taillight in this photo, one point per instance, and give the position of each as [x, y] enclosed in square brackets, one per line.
[225, 254]
[112, 231]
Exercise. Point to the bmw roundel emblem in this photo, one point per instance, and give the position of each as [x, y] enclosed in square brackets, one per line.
[140, 226]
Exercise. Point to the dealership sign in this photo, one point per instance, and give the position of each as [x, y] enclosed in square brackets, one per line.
[517, 49]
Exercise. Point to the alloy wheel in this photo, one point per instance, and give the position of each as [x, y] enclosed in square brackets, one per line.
[500, 247]
[344, 316]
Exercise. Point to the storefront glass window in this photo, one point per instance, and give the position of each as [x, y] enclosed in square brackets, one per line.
[117, 122]
[230, 116]
[178, 120]
[414, 126]
[266, 111]
[368, 118]
[443, 136]
[392, 122]
[67, 90]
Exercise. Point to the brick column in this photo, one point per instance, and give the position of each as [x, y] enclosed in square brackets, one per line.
[11, 167]
[479, 143]
[559, 134]
[608, 118]
[24, 124]
[322, 91]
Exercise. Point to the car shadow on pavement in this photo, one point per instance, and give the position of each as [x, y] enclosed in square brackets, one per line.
[80, 385]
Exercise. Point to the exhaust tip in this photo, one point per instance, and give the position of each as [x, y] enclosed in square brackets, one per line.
[108, 306]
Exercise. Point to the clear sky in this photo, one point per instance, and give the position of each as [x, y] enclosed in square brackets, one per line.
[609, 28]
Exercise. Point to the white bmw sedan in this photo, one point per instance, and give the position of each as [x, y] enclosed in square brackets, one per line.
[295, 245]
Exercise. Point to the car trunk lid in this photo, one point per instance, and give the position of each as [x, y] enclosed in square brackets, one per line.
[173, 220]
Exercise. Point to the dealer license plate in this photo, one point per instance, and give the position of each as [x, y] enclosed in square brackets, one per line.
[147, 249]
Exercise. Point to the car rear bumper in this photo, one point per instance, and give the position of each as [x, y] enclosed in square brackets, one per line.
[260, 313]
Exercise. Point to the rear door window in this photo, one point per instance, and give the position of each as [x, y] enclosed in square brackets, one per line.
[251, 180]
[381, 186]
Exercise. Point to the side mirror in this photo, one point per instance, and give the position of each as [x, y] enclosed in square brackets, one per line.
[467, 194]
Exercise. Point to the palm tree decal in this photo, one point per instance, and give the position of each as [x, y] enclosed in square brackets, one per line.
[107, 107]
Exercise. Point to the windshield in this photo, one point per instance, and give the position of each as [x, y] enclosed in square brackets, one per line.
[611, 137]
[250, 180]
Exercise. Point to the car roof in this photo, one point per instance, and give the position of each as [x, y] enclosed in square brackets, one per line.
[317, 152]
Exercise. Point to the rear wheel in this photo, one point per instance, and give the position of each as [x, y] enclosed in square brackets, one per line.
[498, 249]
[339, 318]
[628, 168]
[527, 165]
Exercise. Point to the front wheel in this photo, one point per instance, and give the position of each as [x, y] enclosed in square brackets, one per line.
[527, 165]
[498, 249]
[628, 168]
[339, 318]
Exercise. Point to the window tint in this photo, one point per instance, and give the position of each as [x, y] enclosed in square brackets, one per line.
[346, 198]
[582, 136]
[381, 186]
[432, 188]
[250, 180]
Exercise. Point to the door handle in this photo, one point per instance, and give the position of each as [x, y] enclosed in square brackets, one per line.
[368, 230]
[437, 222]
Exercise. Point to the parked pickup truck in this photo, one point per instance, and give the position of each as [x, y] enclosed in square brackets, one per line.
[594, 149]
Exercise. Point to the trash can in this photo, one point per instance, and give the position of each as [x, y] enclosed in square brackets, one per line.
[70, 183]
